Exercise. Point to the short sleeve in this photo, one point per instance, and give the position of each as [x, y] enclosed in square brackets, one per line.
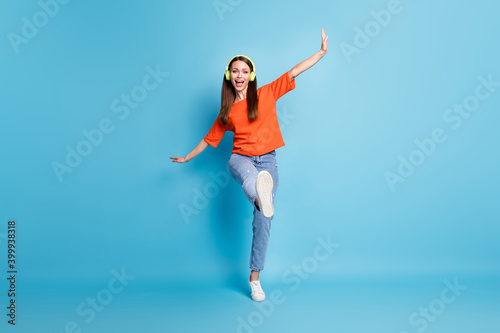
[282, 85]
[216, 133]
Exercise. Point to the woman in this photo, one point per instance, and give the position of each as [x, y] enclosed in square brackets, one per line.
[251, 114]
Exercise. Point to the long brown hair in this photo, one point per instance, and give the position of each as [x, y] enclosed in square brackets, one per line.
[228, 95]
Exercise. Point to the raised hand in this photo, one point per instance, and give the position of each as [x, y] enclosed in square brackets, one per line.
[324, 43]
[309, 62]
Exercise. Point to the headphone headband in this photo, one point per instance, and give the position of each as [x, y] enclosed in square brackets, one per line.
[228, 74]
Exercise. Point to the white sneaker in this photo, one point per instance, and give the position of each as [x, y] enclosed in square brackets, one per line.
[264, 187]
[258, 294]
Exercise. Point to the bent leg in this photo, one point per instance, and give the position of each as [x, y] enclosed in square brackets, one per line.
[245, 173]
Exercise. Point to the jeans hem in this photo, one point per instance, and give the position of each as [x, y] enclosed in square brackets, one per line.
[256, 269]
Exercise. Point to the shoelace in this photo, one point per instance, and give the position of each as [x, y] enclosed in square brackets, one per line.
[256, 288]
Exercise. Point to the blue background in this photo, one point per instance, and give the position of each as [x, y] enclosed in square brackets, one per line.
[345, 125]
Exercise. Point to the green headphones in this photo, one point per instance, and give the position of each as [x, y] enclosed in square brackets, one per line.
[228, 74]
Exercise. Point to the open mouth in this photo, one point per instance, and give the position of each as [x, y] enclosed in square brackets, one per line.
[239, 83]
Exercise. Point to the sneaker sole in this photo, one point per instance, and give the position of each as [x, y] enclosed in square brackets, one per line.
[264, 187]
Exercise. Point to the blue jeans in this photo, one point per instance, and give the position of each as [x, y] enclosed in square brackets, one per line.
[244, 170]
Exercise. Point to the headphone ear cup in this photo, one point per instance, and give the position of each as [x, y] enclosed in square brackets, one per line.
[252, 76]
[228, 75]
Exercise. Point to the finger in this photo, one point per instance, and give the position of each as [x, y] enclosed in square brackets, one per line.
[322, 32]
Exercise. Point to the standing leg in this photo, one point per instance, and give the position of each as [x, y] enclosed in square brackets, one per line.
[262, 225]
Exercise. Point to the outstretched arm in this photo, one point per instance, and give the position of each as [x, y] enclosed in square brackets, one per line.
[308, 63]
[195, 152]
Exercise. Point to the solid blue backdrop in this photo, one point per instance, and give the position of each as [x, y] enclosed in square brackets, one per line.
[391, 146]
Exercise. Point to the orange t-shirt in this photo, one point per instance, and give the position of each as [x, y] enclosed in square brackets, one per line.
[258, 137]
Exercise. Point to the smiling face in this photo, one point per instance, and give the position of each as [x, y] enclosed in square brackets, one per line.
[240, 75]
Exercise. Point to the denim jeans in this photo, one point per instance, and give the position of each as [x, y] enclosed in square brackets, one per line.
[244, 170]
